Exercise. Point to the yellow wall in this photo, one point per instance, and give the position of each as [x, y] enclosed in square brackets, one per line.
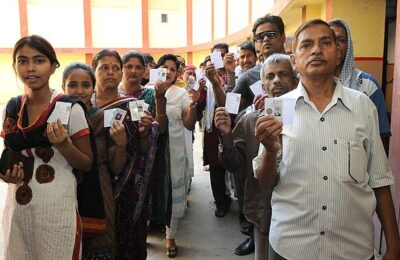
[198, 57]
[313, 11]
[11, 86]
[367, 23]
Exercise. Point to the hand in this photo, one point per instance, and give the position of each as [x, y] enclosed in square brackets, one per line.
[212, 74]
[193, 96]
[57, 134]
[160, 88]
[229, 63]
[258, 101]
[223, 120]
[117, 133]
[267, 132]
[202, 83]
[14, 175]
[145, 122]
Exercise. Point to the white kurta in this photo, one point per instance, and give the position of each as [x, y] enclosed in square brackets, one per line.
[45, 228]
[181, 158]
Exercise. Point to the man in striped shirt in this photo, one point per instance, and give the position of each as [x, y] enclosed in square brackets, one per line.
[333, 173]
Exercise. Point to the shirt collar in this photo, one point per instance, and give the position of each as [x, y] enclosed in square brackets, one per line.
[338, 94]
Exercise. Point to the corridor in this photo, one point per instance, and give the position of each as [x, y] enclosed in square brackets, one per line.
[200, 234]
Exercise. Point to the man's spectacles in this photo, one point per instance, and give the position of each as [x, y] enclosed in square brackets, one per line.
[271, 34]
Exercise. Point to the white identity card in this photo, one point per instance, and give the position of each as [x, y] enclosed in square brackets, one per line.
[281, 108]
[61, 111]
[273, 106]
[278, 109]
[232, 102]
[216, 59]
[157, 74]
[269, 106]
[119, 115]
[109, 117]
[236, 51]
[162, 74]
[199, 74]
[137, 109]
[288, 110]
[257, 88]
[192, 83]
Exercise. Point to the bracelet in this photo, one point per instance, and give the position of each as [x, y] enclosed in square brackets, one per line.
[161, 115]
[194, 105]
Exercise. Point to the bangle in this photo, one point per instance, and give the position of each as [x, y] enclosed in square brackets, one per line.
[194, 105]
[158, 115]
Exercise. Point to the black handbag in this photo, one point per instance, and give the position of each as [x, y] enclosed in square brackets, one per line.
[10, 157]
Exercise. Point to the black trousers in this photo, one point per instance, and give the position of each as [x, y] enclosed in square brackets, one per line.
[217, 178]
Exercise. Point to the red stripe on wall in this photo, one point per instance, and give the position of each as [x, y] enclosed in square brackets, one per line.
[87, 17]
[145, 24]
[23, 18]
[368, 58]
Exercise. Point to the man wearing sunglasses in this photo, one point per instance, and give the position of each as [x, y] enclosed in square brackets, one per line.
[269, 38]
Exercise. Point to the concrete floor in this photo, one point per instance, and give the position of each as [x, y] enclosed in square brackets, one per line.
[201, 235]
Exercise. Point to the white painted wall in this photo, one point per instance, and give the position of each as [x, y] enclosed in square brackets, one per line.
[238, 17]
[167, 35]
[9, 19]
[201, 21]
[117, 27]
[61, 22]
[261, 8]
[219, 19]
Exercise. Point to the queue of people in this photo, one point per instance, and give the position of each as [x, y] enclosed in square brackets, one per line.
[88, 169]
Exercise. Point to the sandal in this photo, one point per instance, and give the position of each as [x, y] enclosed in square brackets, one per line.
[172, 252]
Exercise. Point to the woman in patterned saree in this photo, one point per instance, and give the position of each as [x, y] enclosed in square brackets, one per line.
[130, 188]
[79, 82]
[133, 71]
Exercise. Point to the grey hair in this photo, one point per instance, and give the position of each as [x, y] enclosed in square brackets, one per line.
[275, 58]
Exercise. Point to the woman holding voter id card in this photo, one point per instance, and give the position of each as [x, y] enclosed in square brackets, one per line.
[181, 112]
[134, 68]
[130, 186]
[46, 137]
[79, 81]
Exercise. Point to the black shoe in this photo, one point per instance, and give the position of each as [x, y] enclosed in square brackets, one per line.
[223, 209]
[245, 248]
[247, 231]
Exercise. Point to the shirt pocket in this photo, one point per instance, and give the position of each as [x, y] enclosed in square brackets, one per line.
[355, 168]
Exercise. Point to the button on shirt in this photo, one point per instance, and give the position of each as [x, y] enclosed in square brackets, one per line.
[323, 204]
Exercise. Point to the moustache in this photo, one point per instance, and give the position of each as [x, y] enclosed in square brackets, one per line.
[320, 59]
